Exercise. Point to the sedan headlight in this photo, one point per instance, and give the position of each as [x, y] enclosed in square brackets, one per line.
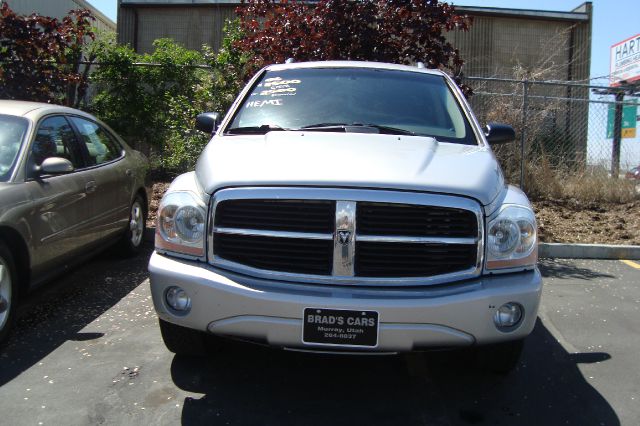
[512, 239]
[181, 224]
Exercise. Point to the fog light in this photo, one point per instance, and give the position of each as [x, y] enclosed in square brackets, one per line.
[178, 299]
[508, 315]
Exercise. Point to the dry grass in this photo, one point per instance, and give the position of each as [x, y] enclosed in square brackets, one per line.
[586, 185]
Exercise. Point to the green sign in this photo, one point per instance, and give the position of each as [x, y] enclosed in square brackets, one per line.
[629, 118]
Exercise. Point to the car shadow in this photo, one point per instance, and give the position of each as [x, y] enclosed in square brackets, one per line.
[246, 384]
[561, 268]
[59, 310]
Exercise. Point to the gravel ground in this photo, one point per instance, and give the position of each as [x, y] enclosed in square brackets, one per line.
[564, 221]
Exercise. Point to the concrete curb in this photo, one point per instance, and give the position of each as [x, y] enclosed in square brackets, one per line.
[588, 251]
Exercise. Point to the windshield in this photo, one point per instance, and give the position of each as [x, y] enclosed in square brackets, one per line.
[353, 99]
[12, 131]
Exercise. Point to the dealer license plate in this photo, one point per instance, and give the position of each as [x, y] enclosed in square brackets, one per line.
[339, 327]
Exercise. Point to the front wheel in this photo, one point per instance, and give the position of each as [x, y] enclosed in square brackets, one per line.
[134, 235]
[8, 291]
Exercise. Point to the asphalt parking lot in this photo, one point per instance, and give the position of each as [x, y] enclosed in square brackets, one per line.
[87, 350]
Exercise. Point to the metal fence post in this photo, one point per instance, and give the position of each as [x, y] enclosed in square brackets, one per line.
[617, 136]
[523, 133]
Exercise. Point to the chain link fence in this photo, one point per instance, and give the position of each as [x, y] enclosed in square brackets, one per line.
[563, 128]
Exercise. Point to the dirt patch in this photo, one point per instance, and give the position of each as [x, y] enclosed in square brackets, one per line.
[569, 221]
[565, 221]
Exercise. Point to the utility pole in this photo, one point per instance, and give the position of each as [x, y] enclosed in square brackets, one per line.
[619, 92]
[617, 136]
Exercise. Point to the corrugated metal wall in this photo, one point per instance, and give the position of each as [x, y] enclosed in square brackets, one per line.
[191, 26]
[495, 45]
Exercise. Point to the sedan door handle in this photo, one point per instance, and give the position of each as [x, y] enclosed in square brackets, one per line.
[90, 186]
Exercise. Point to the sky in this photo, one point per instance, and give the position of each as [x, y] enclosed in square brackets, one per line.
[613, 21]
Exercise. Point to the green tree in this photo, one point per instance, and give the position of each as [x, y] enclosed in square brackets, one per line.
[40, 57]
[397, 31]
[152, 99]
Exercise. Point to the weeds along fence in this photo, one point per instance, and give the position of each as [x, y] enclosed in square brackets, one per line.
[564, 130]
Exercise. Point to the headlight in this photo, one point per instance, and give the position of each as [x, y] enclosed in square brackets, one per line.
[181, 224]
[512, 238]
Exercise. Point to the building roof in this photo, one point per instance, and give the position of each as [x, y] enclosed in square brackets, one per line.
[525, 13]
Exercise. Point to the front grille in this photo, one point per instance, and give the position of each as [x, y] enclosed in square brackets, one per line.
[299, 256]
[412, 220]
[306, 239]
[412, 259]
[278, 215]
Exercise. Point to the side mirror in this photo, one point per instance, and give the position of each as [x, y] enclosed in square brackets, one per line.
[207, 122]
[55, 166]
[499, 133]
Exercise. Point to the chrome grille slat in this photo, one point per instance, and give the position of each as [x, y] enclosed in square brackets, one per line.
[415, 240]
[403, 239]
[277, 234]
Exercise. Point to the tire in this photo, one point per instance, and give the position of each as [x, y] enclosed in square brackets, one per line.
[8, 291]
[499, 358]
[133, 237]
[182, 340]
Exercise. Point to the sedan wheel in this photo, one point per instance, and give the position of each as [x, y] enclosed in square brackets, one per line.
[134, 235]
[7, 291]
[136, 223]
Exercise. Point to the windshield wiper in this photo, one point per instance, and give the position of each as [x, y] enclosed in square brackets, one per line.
[346, 127]
[255, 130]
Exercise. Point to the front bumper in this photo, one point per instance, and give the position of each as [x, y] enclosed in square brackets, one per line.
[268, 311]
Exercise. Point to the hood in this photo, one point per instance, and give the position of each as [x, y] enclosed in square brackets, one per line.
[350, 160]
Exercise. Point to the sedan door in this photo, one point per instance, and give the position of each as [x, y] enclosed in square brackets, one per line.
[59, 215]
[111, 173]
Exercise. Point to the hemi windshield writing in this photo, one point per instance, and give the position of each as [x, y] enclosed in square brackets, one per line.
[357, 99]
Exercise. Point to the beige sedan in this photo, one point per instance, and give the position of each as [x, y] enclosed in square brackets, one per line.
[69, 187]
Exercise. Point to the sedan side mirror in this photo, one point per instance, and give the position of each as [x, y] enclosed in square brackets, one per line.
[55, 166]
[207, 122]
[499, 133]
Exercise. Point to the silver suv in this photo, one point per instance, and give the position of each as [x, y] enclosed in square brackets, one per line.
[348, 207]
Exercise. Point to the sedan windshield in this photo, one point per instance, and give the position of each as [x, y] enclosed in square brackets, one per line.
[12, 131]
[353, 100]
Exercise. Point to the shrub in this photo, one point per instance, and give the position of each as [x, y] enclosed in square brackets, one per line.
[154, 106]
